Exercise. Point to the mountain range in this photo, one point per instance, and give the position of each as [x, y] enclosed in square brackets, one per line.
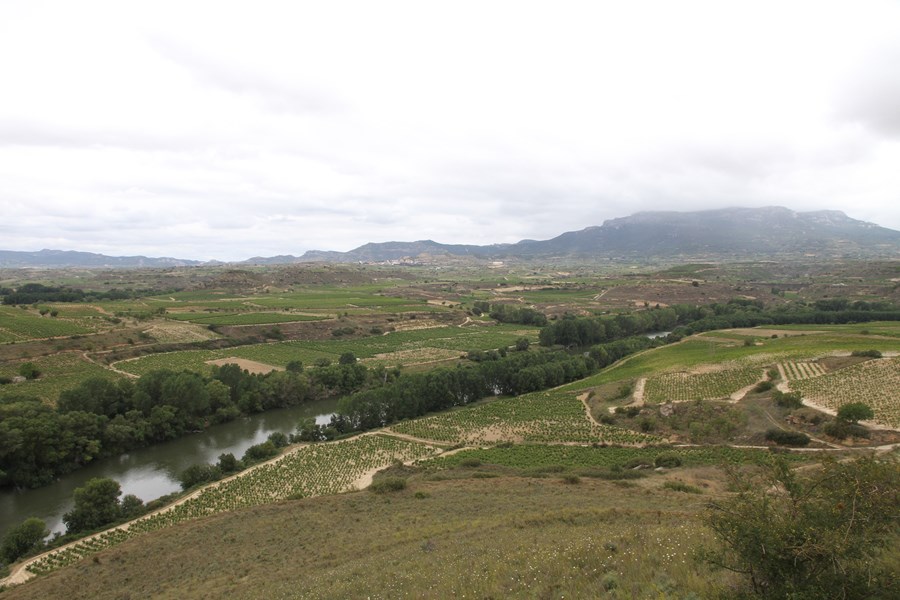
[728, 233]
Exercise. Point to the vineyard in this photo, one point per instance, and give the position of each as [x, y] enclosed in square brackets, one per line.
[17, 325]
[874, 382]
[243, 318]
[416, 345]
[710, 385]
[58, 372]
[795, 371]
[538, 417]
[307, 471]
[530, 456]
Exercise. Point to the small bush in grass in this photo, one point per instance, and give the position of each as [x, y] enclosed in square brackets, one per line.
[647, 424]
[866, 353]
[787, 438]
[841, 429]
[679, 486]
[667, 460]
[628, 411]
[470, 463]
[620, 475]
[787, 399]
[571, 479]
[763, 386]
[607, 419]
[388, 484]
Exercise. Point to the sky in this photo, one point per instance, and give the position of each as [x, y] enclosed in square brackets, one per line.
[226, 130]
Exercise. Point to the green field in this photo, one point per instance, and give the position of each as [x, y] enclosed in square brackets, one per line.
[531, 456]
[246, 318]
[696, 351]
[537, 417]
[281, 353]
[17, 325]
[59, 372]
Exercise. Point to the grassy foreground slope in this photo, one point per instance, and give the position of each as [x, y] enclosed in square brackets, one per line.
[479, 533]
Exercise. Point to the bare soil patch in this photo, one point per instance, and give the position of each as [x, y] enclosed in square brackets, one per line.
[252, 366]
[833, 363]
[176, 332]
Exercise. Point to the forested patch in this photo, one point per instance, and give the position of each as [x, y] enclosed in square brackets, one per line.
[102, 418]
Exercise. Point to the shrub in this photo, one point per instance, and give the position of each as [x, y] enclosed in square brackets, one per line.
[571, 479]
[763, 386]
[787, 399]
[787, 438]
[388, 484]
[678, 486]
[260, 452]
[867, 353]
[628, 411]
[667, 460]
[818, 537]
[470, 463]
[198, 474]
[29, 370]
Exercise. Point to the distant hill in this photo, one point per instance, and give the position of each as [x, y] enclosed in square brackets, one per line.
[70, 258]
[727, 233]
[724, 233]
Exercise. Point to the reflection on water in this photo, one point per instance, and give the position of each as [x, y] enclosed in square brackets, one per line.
[149, 473]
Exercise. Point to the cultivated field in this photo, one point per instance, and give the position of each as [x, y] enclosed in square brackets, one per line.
[552, 416]
[874, 382]
[305, 472]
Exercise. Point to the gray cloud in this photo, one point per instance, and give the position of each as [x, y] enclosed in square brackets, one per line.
[167, 132]
[871, 94]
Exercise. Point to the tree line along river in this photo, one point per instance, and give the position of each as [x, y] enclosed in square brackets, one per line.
[151, 472]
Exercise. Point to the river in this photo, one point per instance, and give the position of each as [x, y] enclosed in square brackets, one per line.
[151, 472]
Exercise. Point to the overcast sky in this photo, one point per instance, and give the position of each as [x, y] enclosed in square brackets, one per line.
[229, 130]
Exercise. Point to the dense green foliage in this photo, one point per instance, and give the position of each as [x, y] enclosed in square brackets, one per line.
[102, 417]
[22, 539]
[586, 331]
[96, 504]
[416, 394]
[854, 412]
[507, 313]
[787, 438]
[814, 538]
[31, 293]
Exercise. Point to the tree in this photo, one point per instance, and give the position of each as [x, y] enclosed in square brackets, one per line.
[816, 537]
[347, 358]
[522, 344]
[198, 474]
[96, 504]
[229, 464]
[132, 507]
[21, 539]
[854, 412]
[29, 370]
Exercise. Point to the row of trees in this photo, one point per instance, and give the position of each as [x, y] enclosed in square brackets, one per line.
[683, 320]
[581, 332]
[419, 393]
[101, 417]
[32, 293]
